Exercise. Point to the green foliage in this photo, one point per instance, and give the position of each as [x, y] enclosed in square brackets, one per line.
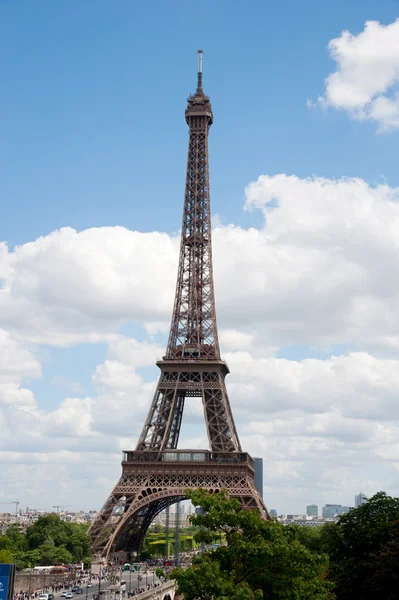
[160, 573]
[5, 542]
[261, 559]
[154, 541]
[16, 538]
[145, 555]
[6, 557]
[30, 558]
[46, 528]
[312, 538]
[48, 541]
[364, 550]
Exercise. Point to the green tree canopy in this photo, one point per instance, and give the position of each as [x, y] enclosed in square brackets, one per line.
[364, 550]
[46, 527]
[312, 538]
[261, 559]
[49, 541]
[5, 542]
[16, 537]
[6, 557]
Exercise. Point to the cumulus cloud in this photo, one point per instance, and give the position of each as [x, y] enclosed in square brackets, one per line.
[324, 259]
[16, 363]
[317, 273]
[71, 287]
[365, 83]
[358, 385]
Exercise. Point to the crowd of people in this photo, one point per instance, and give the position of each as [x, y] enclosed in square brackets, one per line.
[140, 590]
[81, 582]
[55, 588]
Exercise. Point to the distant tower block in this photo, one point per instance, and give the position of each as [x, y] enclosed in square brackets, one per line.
[155, 474]
[312, 510]
[259, 475]
[360, 499]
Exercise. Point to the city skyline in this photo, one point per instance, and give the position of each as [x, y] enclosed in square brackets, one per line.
[305, 225]
[61, 509]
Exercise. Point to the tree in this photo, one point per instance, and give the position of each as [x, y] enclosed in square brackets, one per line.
[364, 550]
[157, 528]
[5, 542]
[6, 557]
[48, 541]
[261, 559]
[27, 559]
[160, 573]
[311, 537]
[70, 538]
[48, 526]
[16, 537]
[78, 542]
[53, 555]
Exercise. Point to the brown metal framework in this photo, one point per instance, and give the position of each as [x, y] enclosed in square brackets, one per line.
[151, 478]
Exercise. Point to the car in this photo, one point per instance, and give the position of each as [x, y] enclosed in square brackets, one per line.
[69, 595]
[74, 588]
[78, 590]
[90, 584]
[50, 596]
[63, 594]
[43, 597]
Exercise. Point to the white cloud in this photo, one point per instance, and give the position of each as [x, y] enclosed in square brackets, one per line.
[358, 386]
[131, 352]
[323, 261]
[16, 363]
[231, 339]
[71, 287]
[365, 83]
[318, 273]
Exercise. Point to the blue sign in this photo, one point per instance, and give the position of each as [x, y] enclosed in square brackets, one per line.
[5, 572]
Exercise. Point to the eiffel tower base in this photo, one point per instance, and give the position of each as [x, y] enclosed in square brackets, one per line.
[151, 481]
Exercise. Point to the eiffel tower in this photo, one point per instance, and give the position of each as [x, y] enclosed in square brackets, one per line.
[156, 474]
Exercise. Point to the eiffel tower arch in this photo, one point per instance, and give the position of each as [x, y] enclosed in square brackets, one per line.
[156, 474]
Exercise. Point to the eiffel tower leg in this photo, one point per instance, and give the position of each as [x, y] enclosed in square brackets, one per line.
[162, 427]
[154, 430]
[98, 526]
[222, 434]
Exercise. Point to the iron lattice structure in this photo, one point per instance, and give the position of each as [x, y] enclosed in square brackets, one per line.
[155, 475]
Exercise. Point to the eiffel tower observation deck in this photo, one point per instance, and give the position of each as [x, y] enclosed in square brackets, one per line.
[156, 474]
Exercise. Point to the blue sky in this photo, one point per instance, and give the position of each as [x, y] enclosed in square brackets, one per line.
[93, 102]
[93, 135]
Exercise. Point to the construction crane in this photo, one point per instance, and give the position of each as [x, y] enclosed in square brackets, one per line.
[58, 506]
[16, 502]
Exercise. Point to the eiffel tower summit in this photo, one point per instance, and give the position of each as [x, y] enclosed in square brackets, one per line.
[156, 474]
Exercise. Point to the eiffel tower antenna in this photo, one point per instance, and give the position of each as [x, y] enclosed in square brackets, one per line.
[199, 82]
[156, 474]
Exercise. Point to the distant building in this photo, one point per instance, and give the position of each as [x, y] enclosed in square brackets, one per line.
[273, 513]
[259, 475]
[360, 499]
[305, 522]
[330, 511]
[312, 510]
